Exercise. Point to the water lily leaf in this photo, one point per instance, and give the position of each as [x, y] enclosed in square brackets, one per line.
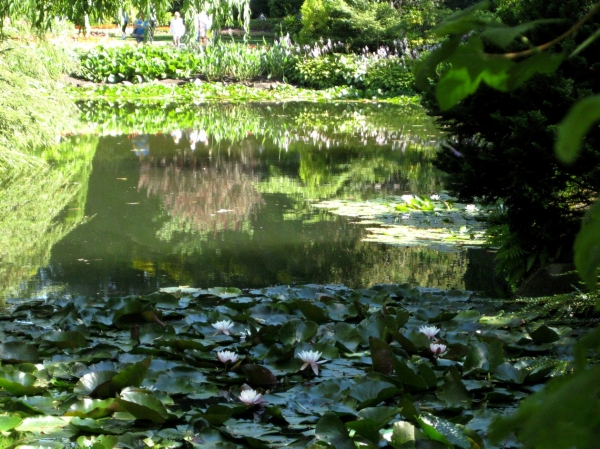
[544, 334]
[371, 393]
[379, 415]
[427, 374]
[99, 442]
[508, 373]
[41, 424]
[225, 292]
[89, 425]
[380, 355]
[297, 331]
[8, 422]
[16, 352]
[19, 384]
[315, 311]
[406, 344]
[240, 303]
[65, 340]
[405, 374]
[439, 429]
[453, 392]
[483, 357]
[366, 428]
[403, 435]
[91, 408]
[217, 414]
[332, 430]
[91, 382]
[143, 405]
[259, 376]
[347, 337]
[182, 344]
[132, 376]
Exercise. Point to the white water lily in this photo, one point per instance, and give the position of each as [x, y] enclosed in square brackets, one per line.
[430, 331]
[437, 348]
[310, 358]
[471, 208]
[227, 356]
[251, 397]
[223, 326]
[245, 334]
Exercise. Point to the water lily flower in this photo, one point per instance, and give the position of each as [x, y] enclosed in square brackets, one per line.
[437, 348]
[430, 331]
[251, 397]
[471, 208]
[223, 326]
[245, 334]
[310, 358]
[227, 356]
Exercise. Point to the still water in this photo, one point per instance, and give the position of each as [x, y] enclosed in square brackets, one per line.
[149, 196]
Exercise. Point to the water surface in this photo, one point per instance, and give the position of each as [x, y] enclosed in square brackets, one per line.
[221, 195]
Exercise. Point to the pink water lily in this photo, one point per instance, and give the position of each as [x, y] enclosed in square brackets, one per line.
[430, 331]
[310, 358]
[437, 348]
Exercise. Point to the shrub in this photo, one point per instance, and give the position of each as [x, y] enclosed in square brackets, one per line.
[331, 70]
[358, 24]
[136, 64]
[391, 76]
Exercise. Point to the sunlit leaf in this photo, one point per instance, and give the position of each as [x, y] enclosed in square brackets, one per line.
[571, 131]
[8, 422]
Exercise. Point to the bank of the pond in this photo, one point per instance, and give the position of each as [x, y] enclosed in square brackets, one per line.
[197, 91]
[274, 367]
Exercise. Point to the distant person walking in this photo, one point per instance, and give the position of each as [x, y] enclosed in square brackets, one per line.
[177, 29]
[203, 24]
[124, 23]
[139, 28]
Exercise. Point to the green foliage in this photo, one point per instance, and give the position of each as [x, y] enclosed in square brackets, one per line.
[230, 60]
[282, 8]
[356, 24]
[330, 70]
[137, 63]
[390, 75]
[511, 134]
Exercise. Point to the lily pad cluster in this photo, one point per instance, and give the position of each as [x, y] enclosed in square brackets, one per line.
[310, 366]
[412, 220]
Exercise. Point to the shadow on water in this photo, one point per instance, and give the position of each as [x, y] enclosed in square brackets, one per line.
[222, 194]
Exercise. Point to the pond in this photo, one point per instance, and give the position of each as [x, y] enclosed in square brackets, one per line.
[150, 195]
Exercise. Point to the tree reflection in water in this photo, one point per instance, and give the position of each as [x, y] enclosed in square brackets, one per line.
[204, 194]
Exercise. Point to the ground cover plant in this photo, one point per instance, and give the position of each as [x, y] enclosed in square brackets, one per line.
[309, 366]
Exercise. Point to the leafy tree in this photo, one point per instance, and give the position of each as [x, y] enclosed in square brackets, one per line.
[501, 144]
[566, 408]
[41, 14]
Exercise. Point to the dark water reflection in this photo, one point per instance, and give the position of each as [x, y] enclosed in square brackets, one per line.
[220, 203]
